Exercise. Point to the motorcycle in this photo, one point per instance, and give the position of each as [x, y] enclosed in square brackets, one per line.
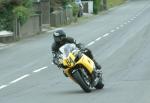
[79, 67]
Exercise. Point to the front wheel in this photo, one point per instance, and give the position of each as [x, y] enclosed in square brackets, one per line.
[81, 81]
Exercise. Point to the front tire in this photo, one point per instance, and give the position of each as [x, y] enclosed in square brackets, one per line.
[78, 78]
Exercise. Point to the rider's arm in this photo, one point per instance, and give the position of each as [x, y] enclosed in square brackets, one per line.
[56, 56]
[71, 40]
[54, 53]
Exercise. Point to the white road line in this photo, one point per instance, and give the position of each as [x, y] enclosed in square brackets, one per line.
[91, 43]
[117, 28]
[106, 34]
[98, 38]
[3, 86]
[138, 14]
[125, 23]
[20, 78]
[112, 31]
[129, 21]
[38, 70]
[121, 25]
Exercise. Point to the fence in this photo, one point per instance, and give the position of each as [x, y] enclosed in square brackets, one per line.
[61, 16]
[30, 28]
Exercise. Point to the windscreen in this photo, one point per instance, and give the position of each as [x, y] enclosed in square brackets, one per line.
[66, 49]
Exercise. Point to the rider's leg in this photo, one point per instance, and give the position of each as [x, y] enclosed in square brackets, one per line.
[89, 54]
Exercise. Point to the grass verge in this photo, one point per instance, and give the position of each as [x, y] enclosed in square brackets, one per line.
[112, 3]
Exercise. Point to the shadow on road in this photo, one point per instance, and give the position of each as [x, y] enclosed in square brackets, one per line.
[74, 92]
[69, 92]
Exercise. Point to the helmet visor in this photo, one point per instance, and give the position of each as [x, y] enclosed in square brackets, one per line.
[58, 39]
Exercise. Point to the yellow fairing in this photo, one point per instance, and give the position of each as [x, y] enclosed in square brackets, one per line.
[87, 62]
[69, 61]
[84, 60]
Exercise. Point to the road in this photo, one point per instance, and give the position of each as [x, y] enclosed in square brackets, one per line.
[119, 39]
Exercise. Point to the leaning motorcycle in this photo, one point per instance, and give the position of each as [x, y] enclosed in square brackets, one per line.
[79, 67]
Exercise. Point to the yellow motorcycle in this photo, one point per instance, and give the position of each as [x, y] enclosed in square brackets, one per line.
[79, 67]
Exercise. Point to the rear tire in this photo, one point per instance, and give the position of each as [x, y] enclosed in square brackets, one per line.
[78, 78]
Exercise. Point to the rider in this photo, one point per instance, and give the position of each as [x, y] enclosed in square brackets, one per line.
[60, 39]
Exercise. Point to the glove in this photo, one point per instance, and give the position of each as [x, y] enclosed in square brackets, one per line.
[55, 61]
[60, 65]
[80, 46]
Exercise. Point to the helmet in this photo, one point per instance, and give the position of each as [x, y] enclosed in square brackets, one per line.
[59, 35]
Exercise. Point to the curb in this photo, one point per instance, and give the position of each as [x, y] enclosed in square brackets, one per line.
[53, 30]
[2, 45]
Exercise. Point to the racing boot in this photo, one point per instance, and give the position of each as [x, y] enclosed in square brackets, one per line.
[65, 74]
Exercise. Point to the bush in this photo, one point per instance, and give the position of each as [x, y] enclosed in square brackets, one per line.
[112, 3]
[9, 9]
[27, 3]
[15, 2]
[22, 13]
[6, 16]
[75, 9]
[66, 2]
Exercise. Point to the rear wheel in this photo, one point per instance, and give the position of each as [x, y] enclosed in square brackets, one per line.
[82, 81]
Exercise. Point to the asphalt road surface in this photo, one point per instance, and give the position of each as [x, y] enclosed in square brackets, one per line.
[119, 39]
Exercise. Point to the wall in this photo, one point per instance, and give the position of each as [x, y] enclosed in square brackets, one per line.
[31, 27]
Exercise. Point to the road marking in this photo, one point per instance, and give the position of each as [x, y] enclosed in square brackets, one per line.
[129, 21]
[91, 43]
[112, 31]
[20, 78]
[138, 14]
[106, 34]
[98, 38]
[3, 86]
[125, 23]
[38, 70]
[117, 28]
